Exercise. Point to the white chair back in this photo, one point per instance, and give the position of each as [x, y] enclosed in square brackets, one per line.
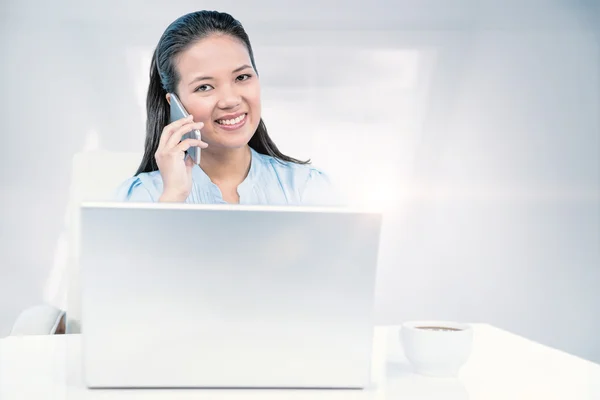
[95, 177]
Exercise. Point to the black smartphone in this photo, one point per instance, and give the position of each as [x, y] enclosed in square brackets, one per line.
[178, 112]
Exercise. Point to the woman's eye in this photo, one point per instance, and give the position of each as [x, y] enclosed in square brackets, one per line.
[203, 88]
[243, 77]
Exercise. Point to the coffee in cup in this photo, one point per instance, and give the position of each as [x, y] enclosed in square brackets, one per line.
[438, 328]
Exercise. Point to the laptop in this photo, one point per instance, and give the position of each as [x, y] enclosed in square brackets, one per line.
[227, 296]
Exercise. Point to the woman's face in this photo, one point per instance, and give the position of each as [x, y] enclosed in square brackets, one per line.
[219, 87]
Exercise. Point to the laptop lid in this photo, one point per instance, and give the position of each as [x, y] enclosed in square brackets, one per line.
[179, 295]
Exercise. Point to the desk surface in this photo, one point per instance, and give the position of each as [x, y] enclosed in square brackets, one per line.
[502, 366]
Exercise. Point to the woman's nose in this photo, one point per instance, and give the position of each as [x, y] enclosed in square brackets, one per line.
[229, 98]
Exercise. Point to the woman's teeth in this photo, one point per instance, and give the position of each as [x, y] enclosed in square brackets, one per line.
[231, 121]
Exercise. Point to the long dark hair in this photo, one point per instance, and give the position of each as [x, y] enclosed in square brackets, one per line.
[179, 36]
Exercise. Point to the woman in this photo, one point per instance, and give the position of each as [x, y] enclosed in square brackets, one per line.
[206, 59]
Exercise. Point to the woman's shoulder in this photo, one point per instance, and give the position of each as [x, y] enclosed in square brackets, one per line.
[289, 170]
[145, 186]
[312, 184]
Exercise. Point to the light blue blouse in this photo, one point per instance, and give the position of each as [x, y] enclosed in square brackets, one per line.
[269, 182]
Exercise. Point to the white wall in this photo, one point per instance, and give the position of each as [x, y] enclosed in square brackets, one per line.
[475, 126]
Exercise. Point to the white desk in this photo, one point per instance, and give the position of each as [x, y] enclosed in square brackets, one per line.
[502, 366]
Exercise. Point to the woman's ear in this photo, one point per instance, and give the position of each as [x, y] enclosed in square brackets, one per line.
[168, 96]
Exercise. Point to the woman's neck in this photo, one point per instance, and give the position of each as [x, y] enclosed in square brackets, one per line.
[226, 166]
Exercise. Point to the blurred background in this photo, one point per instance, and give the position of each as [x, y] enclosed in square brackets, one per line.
[474, 125]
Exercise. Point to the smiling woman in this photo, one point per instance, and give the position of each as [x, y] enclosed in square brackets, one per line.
[205, 58]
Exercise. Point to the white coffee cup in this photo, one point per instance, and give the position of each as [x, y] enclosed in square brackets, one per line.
[437, 352]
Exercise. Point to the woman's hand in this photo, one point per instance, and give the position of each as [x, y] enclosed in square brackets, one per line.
[174, 166]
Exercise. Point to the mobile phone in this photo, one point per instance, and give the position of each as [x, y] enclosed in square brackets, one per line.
[178, 112]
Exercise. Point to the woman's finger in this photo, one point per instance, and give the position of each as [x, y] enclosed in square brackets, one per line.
[178, 134]
[187, 143]
[171, 128]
